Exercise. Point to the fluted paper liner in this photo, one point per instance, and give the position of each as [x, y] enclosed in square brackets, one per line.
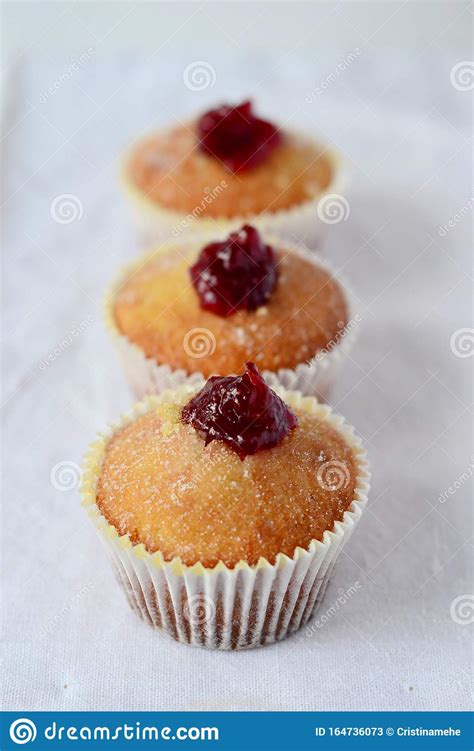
[226, 608]
[146, 376]
[301, 222]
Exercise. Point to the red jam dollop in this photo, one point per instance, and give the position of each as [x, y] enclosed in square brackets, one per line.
[239, 272]
[242, 411]
[236, 137]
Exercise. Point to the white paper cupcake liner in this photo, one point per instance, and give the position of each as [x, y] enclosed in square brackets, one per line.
[226, 608]
[146, 376]
[302, 223]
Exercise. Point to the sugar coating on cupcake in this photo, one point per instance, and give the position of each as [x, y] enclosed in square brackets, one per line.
[164, 486]
[159, 309]
[265, 169]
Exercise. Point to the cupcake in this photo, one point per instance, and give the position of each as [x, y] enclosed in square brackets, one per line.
[226, 167]
[224, 509]
[190, 311]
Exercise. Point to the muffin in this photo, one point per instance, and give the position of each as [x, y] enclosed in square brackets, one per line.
[187, 310]
[224, 509]
[226, 167]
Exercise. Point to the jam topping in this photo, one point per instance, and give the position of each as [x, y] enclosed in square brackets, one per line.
[242, 411]
[236, 137]
[239, 272]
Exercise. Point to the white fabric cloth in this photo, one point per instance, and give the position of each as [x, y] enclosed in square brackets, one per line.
[71, 641]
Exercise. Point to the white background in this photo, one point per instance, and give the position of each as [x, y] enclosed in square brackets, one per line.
[402, 641]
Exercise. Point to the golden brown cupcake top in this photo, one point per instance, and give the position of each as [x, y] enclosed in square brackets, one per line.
[170, 170]
[163, 487]
[157, 308]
